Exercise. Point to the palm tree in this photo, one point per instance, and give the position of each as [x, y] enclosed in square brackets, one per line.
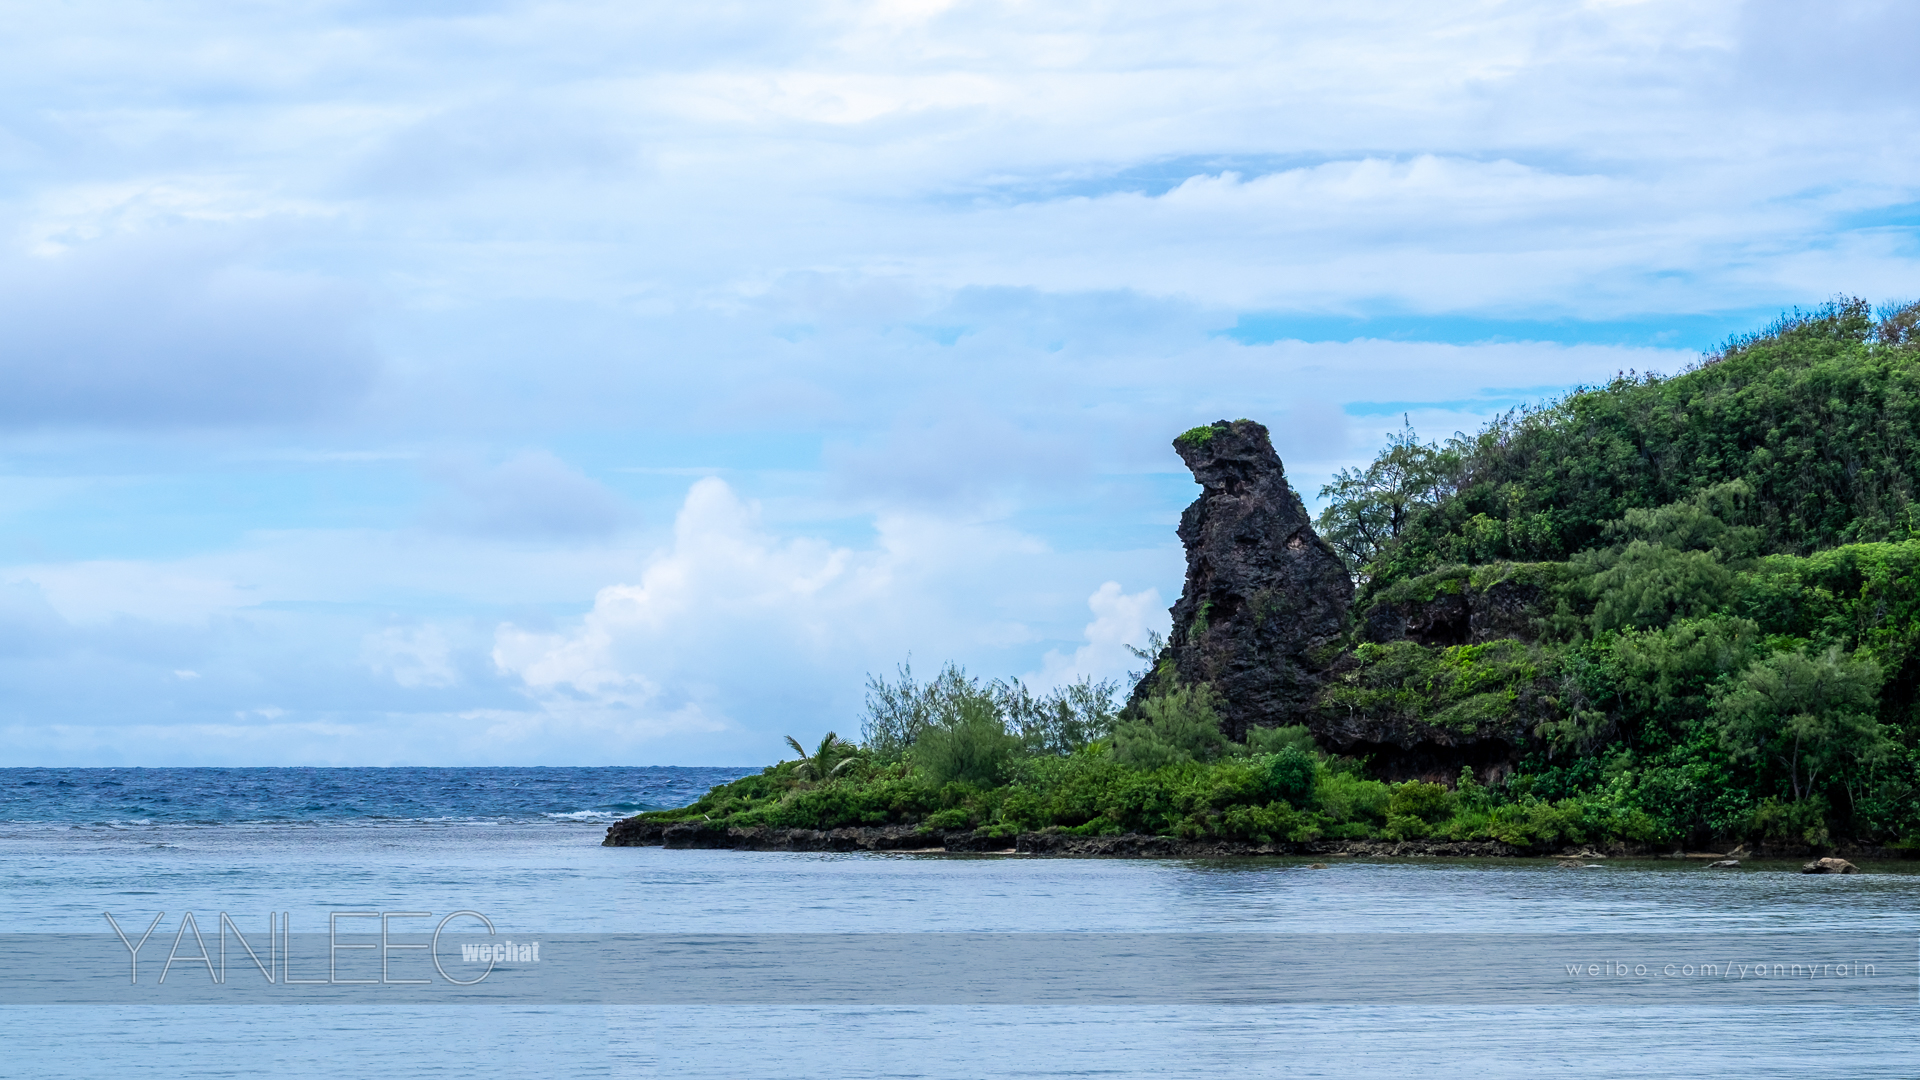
[831, 758]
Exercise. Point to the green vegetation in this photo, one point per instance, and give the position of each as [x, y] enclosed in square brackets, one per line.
[1375, 504]
[1694, 605]
[1485, 688]
[1179, 726]
[1722, 628]
[972, 764]
[1196, 436]
[1817, 415]
[1200, 436]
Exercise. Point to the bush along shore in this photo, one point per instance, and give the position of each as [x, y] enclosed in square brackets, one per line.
[961, 765]
[1666, 614]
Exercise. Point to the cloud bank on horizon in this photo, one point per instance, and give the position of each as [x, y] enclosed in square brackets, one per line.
[580, 383]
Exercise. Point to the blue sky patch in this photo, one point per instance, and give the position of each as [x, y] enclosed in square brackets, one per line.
[1693, 332]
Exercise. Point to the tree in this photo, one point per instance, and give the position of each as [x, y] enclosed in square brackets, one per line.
[1058, 722]
[972, 746]
[1368, 508]
[897, 713]
[832, 757]
[1811, 714]
[1062, 720]
[1180, 725]
[1648, 585]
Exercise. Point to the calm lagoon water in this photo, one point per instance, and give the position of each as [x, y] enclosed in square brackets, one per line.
[522, 846]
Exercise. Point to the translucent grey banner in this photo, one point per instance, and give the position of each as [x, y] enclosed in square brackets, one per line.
[228, 964]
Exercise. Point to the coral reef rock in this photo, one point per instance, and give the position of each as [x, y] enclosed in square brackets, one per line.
[1266, 600]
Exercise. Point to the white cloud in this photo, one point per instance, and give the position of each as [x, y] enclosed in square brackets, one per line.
[1588, 156]
[736, 627]
[970, 526]
[1119, 620]
[725, 591]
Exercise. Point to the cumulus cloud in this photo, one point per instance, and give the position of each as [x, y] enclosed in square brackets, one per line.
[747, 618]
[725, 590]
[738, 628]
[1119, 620]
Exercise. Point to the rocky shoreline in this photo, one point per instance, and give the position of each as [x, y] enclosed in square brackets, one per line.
[913, 838]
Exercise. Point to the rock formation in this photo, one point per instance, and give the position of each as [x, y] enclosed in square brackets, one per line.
[1398, 748]
[1462, 605]
[1265, 602]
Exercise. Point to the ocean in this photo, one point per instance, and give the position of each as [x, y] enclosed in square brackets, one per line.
[662, 963]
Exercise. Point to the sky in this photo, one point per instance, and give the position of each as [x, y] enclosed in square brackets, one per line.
[586, 383]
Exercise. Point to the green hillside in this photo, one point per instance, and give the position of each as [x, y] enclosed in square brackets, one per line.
[1722, 614]
[1819, 416]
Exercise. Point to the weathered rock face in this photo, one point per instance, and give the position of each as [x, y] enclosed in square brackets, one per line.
[1426, 733]
[1462, 605]
[1399, 749]
[1265, 601]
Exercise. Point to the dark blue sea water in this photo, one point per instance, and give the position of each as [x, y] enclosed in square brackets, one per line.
[523, 847]
[362, 796]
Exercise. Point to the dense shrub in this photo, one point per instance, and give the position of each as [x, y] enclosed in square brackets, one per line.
[1819, 416]
[1463, 687]
[972, 746]
[1179, 726]
[1057, 722]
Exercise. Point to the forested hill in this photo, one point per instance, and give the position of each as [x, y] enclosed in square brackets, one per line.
[1819, 416]
[1703, 589]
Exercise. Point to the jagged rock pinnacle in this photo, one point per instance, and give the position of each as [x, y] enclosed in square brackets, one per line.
[1265, 603]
